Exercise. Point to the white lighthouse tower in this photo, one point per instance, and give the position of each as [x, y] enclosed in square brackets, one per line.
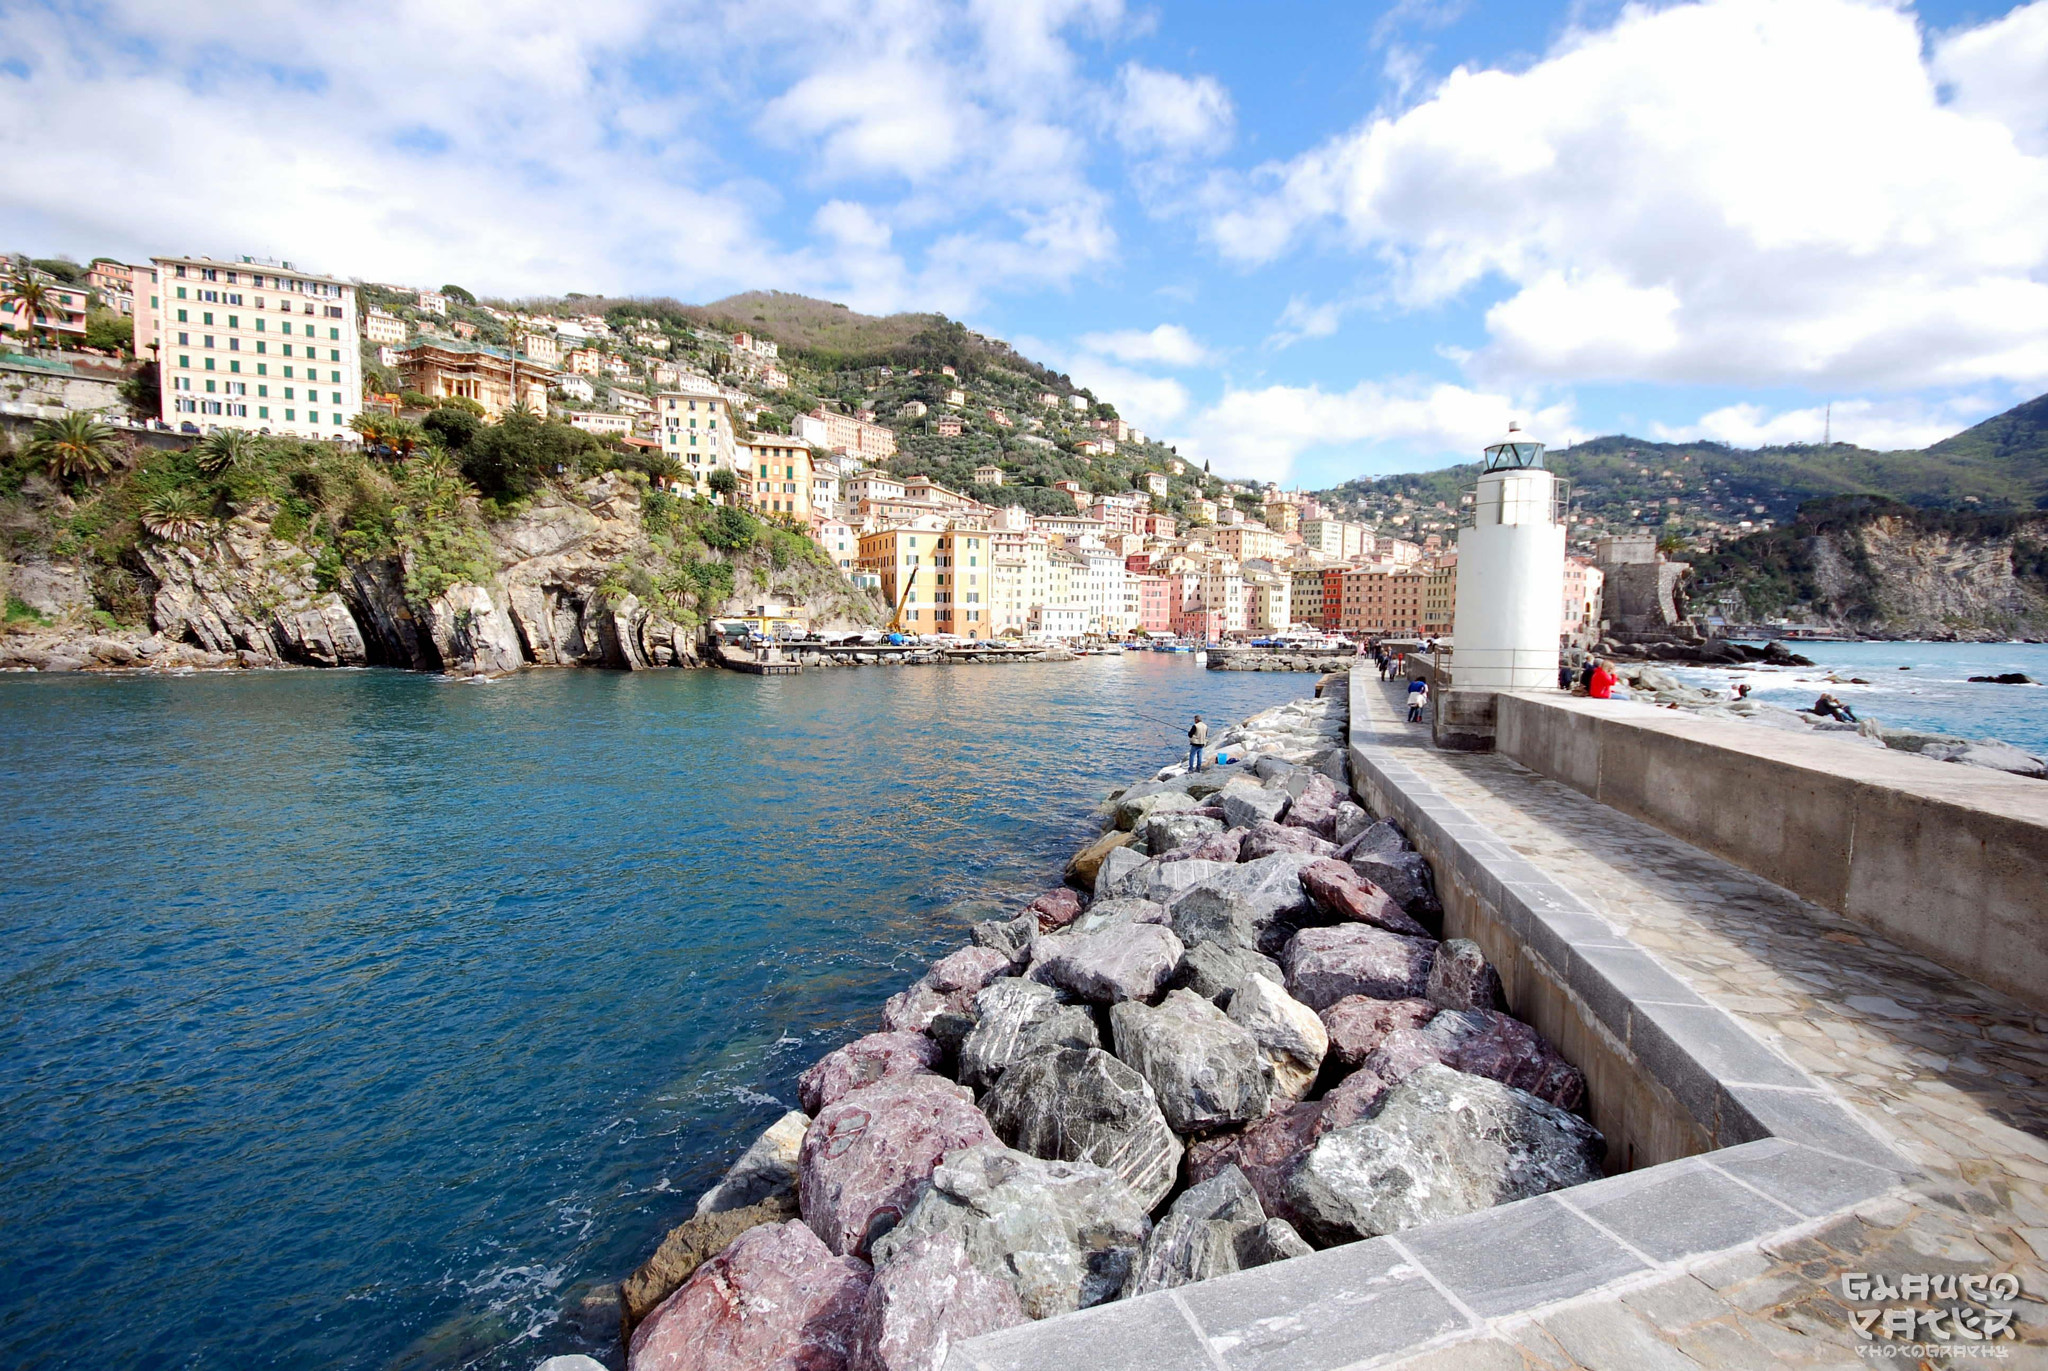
[1510, 572]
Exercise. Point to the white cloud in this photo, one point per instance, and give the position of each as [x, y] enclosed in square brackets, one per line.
[1167, 345]
[1261, 434]
[1304, 319]
[1164, 113]
[1883, 426]
[1737, 191]
[2000, 71]
[1150, 402]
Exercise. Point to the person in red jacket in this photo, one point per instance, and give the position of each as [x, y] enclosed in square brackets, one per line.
[1602, 686]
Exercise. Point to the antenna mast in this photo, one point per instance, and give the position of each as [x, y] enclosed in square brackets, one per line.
[1827, 427]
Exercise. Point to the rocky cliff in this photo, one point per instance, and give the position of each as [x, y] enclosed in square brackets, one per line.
[573, 583]
[1884, 570]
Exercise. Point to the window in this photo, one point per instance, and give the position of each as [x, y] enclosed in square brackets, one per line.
[207, 317]
[209, 364]
[287, 395]
[263, 368]
[263, 390]
[181, 317]
[335, 333]
[233, 321]
[263, 411]
[181, 272]
[287, 326]
[288, 414]
[184, 340]
[259, 329]
[209, 385]
[234, 365]
[208, 274]
[234, 345]
[259, 345]
[181, 289]
[337, 400]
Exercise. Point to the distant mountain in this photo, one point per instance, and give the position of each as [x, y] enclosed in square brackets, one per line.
[1708, 490]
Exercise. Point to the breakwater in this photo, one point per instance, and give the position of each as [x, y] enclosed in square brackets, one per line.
[1232, 1036]
[1257, 659]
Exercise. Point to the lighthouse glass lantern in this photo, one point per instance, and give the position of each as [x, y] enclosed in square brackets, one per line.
[1510, 572]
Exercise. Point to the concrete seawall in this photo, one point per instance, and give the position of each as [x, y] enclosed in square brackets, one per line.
[1949, 861]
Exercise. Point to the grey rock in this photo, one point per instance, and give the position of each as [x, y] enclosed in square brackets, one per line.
[1290, 1036]
[1334, 765]
[1324, 965]
[1132, 810]
[1462, 978]
[1083, 1105]
[1213, 1229]
[1118, 863]
[1347, 823]
[1381, 839]
[1272, 886]
[1120, 910]
[1245, 805]
[1207, 1071]
[1274, 770]
[1011, 937]
[1265, 838]
[1063, 1235]
[1161, 880]
[1224, 847]
[1017, 1018]
[766, 1170]
[1443, 1143]
[1483, 1043]
[1166, 833]
[1125, 962]
[1205, 914]
[1406, 877]
[1215, 971]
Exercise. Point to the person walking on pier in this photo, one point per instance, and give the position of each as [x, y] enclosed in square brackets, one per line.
[1198, 738]
[1418, 699]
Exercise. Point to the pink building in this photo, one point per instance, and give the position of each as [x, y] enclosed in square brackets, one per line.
[1155, 601]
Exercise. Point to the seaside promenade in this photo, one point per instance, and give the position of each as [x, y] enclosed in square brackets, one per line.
[1950, 1073]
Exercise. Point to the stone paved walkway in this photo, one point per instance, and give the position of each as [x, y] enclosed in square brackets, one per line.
[1955, 1074]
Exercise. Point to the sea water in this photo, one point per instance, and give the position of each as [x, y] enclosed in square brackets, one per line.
[1910, 685]
[369, 1019]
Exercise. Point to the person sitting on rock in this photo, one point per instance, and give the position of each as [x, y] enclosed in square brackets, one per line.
[1601, 685]
[1740, 692]
[1828, 707]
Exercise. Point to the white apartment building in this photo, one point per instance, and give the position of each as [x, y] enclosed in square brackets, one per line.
[1269, 601]
[251, 344]
[1337, 538]
[575, 387]
[601, 424]
[434, 302]
[541, 347]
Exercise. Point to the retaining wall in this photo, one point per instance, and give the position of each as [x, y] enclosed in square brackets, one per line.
[1950, 861]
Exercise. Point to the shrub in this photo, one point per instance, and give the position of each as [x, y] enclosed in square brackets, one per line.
[731, 530]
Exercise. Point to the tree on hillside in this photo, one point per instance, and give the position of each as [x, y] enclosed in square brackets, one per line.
[452, 428]
[458, 293]
[34, 300]
[110, 332]
[76, 447]
[63, 268]
[724, 484]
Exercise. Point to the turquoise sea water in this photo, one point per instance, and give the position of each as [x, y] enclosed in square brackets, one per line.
[366, 1019]
[1932, 692]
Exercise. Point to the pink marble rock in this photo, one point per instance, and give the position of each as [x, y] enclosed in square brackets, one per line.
[1265, 837]
[1056, 908]
[1487, 1043]
[866, 1155]
[1337, 889]
[1358, 1024]
[863, 1062]
[1324, 965]
[775, 1300]
[929, 1296]
[951, 984]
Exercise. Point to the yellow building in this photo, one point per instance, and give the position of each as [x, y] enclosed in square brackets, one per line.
[696, 430]
[779, 474]
[1440, 597]
[942, 578]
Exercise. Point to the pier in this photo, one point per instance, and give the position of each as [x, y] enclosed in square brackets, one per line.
[790, 658]
[1800, 1092]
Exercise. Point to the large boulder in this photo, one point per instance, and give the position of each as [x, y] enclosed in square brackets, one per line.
[1208, 915]
[1108, 913]
[863, 1062]
[1290, 1036]
[775, 1300]
[1133, 810]
[1215, 971]
[1081, 870]
[1462, 978]
[1315, 804]
[1339, 891]
[1267, 1152]
[1164, 833]
[1083, 1105]
[1272, 886]
[1346, 822]
[1011, 937]
[1207, 1071]
[951, 984]
[1160, 881]
[1264, 838]
[1381, 839]
[1324, 965]
[1064, 1235]
[1221, 847]
[766, 1170]
[1125, 962]
[930, 1296]
[1017, 1018]
[1443, 1143]
[686, 1247]
[1358, 1024]
[1117, 864]
[1058, 907]
[1485, 1043]
[1406, 877]
[1213, 1229]
[866, 1155]
[1245, 802]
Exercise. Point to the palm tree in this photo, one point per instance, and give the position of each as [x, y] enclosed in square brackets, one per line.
[225, 449]
[403, 435]
[374, 429]
[75, 447]
[175, 515]
[34, 300]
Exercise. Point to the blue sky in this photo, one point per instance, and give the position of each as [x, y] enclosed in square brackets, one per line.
[1302, 241]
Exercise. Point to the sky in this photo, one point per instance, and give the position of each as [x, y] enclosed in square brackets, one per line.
[1303, 242]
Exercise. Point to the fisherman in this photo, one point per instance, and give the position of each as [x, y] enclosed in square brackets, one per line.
[1198, 738]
